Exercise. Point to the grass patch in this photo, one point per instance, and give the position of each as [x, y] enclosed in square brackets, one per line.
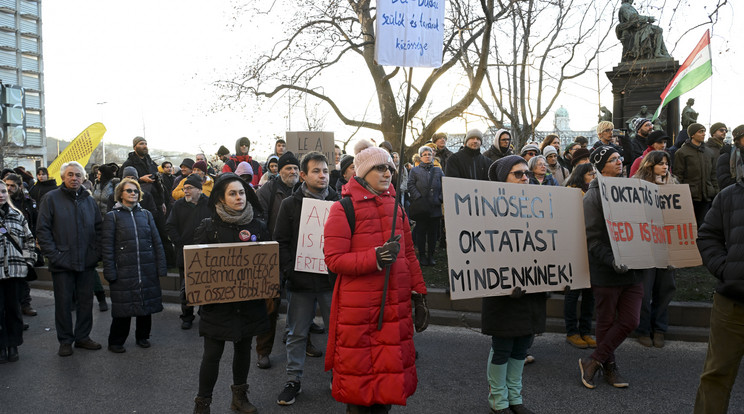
[694, 284]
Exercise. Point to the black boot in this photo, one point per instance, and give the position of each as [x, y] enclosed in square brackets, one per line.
[240, 401]
[13, 354]
[3, 355]
[101, 296]
[201, 405]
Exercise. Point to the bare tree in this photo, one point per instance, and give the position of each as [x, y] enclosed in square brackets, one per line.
[545, 44]
[322, 36]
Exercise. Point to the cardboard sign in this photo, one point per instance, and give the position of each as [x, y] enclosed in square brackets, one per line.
[310, 257]
[501, 236]
[231, 272]
[649, 225]
[300, 143]
[410, 33]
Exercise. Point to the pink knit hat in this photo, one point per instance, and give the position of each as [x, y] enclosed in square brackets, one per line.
[368, 156]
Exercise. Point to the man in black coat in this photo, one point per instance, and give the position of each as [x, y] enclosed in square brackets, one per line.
[68, 231]
[441, 152]
[188, 212]
[306, 288]
[468, 162]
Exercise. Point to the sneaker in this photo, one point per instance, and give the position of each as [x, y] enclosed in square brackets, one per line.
[520, 409]
[577, 341]
[263, 362]
[288, 394]
[312, 351]
[65, 350]
[659, 339]
[117, 349]
[88, 344]
[143, 343]
[186, 325]
[529, 359]
[589, 341]
[314, 328]
[645, 340]
[613, 377]
[28, 310]
[589, 368]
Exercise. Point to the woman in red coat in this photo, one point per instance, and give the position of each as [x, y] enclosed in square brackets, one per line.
[372, 368]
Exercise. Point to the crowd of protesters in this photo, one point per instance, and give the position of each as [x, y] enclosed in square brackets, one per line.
[137, 217]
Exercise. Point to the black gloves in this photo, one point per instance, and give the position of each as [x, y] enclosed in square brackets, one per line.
[420, 312]
[388, 252]
[619, 268]
[517, 293]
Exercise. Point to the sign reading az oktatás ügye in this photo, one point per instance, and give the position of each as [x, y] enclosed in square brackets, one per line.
[231, 272]
[501, 236]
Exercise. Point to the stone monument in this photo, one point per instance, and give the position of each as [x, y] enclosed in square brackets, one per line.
[689, 115]
[644, 71]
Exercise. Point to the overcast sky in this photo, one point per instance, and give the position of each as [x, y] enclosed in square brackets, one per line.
[147, 67]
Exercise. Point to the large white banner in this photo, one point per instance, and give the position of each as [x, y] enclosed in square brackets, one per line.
[410, 33]
[501, 236]
[310, 257]
[649, 225]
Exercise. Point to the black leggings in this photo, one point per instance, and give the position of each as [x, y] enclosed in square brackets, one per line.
[427, 230]
[210, 365]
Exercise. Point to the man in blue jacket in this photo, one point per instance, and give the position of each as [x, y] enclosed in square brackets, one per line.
[68, 230]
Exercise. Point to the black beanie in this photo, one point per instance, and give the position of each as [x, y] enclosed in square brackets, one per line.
[346, 161]
[656, 136]
[188, 162]
[499, 170]
[223, 151]
[600, 156]
[288, 159]
[193, 180]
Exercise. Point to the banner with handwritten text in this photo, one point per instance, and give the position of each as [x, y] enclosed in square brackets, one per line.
[649, 225]
[302, 142]
[231, 272]
[410, 33]
[310, 257]
[501, 236]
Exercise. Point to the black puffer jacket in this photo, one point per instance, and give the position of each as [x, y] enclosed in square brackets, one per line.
[183, 221]
[468, 163]
[598, 242]
[133, 261]
[506, 317]
[419, 186]
[287, 233]
[235, 320]
[68, 230]
[721, 241]
[41, 188]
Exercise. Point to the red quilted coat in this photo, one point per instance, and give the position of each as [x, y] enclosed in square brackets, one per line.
[370, 366]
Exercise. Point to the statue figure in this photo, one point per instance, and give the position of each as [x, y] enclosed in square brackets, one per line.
[641, 39]
[605, 115]
[642, 113]
[689, 115]
[659, 124]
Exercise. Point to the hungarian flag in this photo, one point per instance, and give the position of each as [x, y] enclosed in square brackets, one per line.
[693, 72]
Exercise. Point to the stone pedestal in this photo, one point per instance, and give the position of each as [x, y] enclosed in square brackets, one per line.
[639, 83]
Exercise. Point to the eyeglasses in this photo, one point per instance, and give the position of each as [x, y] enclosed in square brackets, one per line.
[519, 174]
[592, 173]
[383, 167]
[131, 190]
[615, 159]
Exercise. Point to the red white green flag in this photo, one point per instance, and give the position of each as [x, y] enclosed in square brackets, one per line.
[696, 68]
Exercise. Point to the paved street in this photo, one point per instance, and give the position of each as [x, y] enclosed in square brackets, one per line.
[451, 368]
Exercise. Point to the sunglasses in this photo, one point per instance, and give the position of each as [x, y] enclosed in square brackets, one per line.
[382, 168]
[530, 153]
[519, 174]
[131, 191]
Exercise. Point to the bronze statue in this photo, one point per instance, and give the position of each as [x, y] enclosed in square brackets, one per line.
[689, 115]
[641, 39]
[605, 114]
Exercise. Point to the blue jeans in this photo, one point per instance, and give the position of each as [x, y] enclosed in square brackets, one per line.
[300, 314]
[658, 291]
[68, 286]
[583, 324]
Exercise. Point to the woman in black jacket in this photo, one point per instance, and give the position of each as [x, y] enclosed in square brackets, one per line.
[425, 188]
[133, 261]
[232, 203]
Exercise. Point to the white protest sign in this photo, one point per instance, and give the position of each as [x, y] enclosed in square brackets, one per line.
[410, 33]
[501, 236]
[649, 225]
[310, 257]
[302, 142]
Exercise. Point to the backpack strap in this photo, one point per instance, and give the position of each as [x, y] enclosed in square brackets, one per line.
[348, 206]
